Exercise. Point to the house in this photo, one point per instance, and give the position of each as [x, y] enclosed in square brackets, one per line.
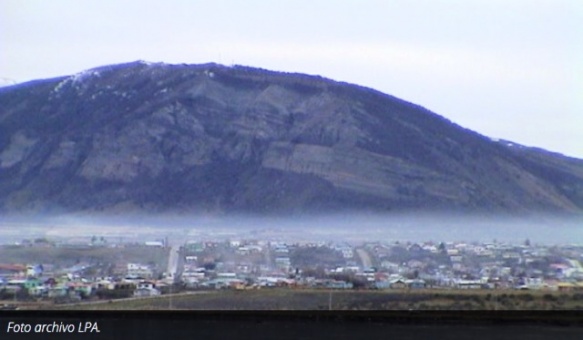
[458, 266]
[158, 244]
[244, 268]
[195, 247]
[430, 248]
[57, 291]
[469, 284]
[415, 284]
[234, 244]
[533, 283]
[269, 281]
[566, 286]
[146, 285]
[124, 286]
[80, 288]
[12, 289]
[196, 274]
[339, 284]
[191, 282]
[221, 283]
[381, 277]
[415, 264]
[34, 270]
[415, 248]
[243, 250]
[146, 289]
[398, 284]
[38, 291]
[283, 263]
[346, 251]
[384, 284]
[139, 270]
[570, 286]
[32, 286]
[12, 270]
[391, 266]
[103, 284]
[144, 292]
[16, 282]
[239, 286]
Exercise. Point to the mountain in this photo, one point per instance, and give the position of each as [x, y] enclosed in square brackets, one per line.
[145, 137]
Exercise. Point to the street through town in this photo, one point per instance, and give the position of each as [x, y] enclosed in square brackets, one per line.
[364, 258]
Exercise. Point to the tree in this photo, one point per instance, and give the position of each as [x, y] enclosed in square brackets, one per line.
[317, 272]
[359, 283]
[209, 266]
[442, 248]
[412, 275]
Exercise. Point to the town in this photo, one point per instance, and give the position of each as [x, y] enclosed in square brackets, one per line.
[103, 269]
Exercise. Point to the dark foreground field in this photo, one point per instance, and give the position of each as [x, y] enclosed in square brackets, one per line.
[303, 314]
[289, 299]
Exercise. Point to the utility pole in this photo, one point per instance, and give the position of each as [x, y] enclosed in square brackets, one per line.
[170, 300]
[330, 300]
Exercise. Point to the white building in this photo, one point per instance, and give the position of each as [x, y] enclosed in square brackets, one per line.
[139, 270]
[146, 288]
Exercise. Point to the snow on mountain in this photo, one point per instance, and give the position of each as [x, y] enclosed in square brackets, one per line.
[7, 82]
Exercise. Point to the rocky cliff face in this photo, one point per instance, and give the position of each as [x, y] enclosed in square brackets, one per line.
[157, 137]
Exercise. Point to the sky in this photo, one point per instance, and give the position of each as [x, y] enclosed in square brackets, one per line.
[509, 69]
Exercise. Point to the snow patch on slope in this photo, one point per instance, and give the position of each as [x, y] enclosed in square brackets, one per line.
[4, 82]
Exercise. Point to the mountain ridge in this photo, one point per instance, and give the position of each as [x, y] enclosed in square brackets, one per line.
[211, 138]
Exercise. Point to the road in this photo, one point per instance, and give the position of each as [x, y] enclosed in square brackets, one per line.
[364, 258]
[175, 264]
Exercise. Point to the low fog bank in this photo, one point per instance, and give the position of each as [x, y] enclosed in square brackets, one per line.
[541, 229]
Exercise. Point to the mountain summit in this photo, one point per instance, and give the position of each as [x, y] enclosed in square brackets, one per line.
[210, 138]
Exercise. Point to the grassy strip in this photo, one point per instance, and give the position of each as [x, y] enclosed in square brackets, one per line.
[289, 299]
